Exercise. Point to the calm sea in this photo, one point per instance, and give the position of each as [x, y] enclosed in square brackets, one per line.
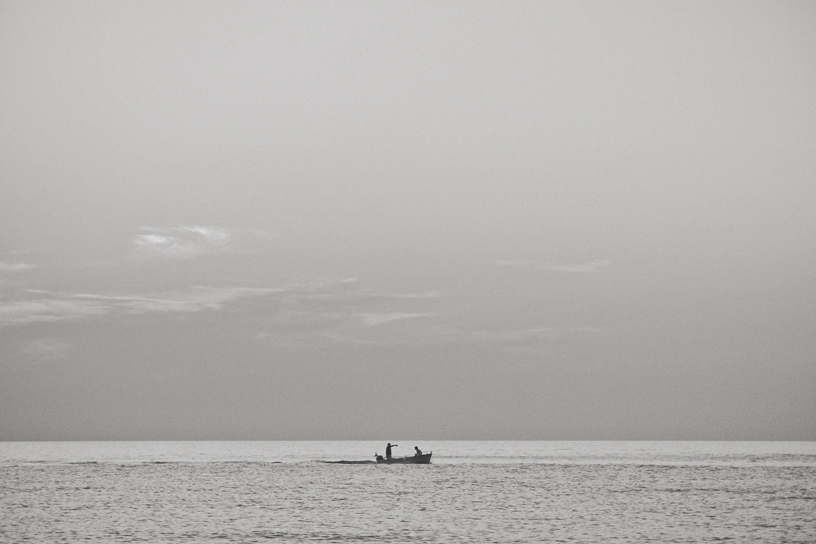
[500, 492]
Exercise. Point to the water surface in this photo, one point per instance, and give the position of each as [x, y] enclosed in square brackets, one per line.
[472, 492]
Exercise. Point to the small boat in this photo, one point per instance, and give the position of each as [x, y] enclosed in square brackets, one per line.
[423, 459]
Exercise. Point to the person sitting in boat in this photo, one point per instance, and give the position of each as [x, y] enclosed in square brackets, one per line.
[388, 450]
[418, 451]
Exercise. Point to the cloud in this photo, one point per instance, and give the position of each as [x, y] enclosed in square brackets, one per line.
[375, 295]
[323, 313]
[537, 334]
[47, 349]
[584, 268]
[519, 335]
[55, 307]
[578, 268]
[372, 320]
[194, 299]
[180, 242]
[505, 262]
[20, 312]
[324, 303]
[336, 315]
[6, 266]
[534, 339]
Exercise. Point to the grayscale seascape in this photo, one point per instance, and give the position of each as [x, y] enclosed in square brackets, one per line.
[499, 492]
[568, 245]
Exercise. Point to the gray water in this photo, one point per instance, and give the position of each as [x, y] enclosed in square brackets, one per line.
[472, 492]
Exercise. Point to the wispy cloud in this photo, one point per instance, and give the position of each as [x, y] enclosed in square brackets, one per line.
[180, 242]
[378, 295]
[535, 340]
[194, 299]
[577, 268]
[372, 320]
[306, 307]
[506, 262]
[333, 314]
[540, 334]
[19, 312]
[6, 266]
[47, 306]
[581, 268]
[46, 349]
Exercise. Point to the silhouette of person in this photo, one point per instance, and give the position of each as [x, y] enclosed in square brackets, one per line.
[388, 450]
[418, 451]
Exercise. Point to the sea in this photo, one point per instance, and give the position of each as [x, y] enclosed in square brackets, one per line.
[473, 491]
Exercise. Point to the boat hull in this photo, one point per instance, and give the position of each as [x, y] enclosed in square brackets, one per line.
[423, 459]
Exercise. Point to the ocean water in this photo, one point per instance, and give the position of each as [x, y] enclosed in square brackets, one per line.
[239, 492]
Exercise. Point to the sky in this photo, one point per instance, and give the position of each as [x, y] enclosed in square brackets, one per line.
[431, 220]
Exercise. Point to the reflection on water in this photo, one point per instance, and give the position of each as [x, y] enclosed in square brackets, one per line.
[152, 498]
[445, 452]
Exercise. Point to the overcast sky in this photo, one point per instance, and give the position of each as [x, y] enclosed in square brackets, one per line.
[432, 220]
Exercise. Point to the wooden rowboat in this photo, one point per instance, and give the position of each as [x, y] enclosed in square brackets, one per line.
[423, 459]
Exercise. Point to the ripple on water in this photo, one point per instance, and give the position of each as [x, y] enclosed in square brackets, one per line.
[350, 502]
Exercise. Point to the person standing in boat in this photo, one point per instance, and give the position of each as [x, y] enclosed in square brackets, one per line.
[388, 450]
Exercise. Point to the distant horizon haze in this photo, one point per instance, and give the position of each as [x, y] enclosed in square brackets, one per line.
[460, 220]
